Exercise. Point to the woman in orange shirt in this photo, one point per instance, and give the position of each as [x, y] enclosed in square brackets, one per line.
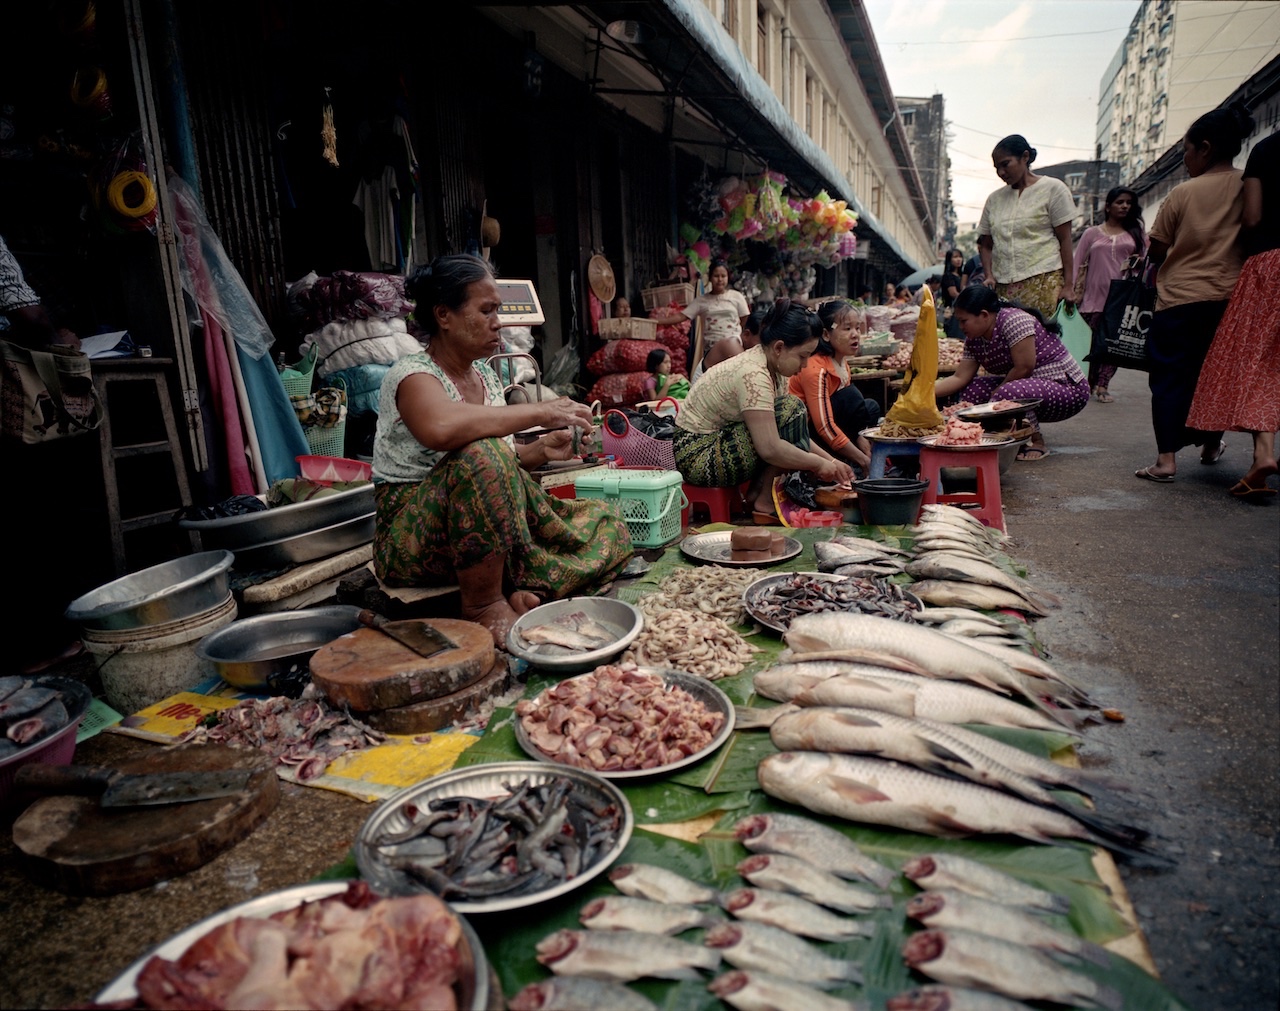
[837, 411]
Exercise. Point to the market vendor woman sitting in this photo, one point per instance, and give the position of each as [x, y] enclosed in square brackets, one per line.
[739, 423]
[455, 502]
[1022, 358]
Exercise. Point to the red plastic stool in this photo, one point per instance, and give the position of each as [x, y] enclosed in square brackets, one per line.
[984, 503]
[719, 503]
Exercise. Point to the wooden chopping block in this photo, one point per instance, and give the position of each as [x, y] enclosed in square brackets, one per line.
[369, 671]
[429, 716]
[74, 845]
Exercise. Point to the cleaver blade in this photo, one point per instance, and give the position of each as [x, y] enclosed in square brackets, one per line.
[424, 639]
[120, 789]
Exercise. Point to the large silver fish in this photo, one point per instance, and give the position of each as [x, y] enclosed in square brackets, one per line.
[791, 874]
[952, 910]
[964, 958]
[762, 991]
[940, 615]
[841, 683]
[946, 870]
[923, 650]
[794, 914]
[942, 565]
[622, 912]
[832, 556]
[951, 592]
[866, 542]
[623, 955]
[879, 792]
[809, 840]
[950, 998]
[578, 993]
[771, 949]
[647, 881]
[966, 627]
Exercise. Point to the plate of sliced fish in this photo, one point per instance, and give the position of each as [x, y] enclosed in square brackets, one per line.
[575, 635]
[496, 836]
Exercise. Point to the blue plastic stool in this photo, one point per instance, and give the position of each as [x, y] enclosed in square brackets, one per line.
[881, 451]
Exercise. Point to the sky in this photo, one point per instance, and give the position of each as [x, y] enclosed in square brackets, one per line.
[1003, 67]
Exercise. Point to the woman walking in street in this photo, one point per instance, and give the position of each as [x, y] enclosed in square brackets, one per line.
[1100, 258]
[1024, 234]
[952, 285]
[1195, 242]
[1239, 388]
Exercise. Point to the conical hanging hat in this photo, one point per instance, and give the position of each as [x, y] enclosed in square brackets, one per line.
[600, 277]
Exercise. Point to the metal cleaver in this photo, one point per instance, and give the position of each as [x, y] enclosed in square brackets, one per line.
[122, 789]
[423, 639]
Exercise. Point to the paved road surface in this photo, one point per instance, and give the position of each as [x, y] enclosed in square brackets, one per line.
[1172, 615]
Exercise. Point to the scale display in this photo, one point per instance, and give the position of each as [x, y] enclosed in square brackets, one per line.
[520, 305]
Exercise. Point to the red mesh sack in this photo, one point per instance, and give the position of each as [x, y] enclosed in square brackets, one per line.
[619, 389]
[623, 356]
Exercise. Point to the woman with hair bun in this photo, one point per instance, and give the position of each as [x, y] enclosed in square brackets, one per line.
[454, 500]
[1196, 243]
[739, 423]
[1101, 257]
[1022, 358]
[1024, 234]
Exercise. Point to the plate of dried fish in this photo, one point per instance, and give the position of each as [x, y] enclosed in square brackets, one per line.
[576, 634]
[774, 601]
[715, 547]
[494, 837]
[634, 738]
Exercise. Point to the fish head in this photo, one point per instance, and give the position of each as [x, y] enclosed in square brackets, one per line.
[591, 910]
[729, 982]
[723, 935]
[621, 871]
[556, 946]
[751, 827]
[739, 898]
[924, 946]
[921, 907]
[533, 997]
[919, 867]
[753, 864]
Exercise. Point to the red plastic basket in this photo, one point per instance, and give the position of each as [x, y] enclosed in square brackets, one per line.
[635, 449]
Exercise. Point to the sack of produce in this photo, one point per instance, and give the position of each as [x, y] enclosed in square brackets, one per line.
[623, 356]
[619, 389]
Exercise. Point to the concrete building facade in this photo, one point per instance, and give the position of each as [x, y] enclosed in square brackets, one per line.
[1088, 182]
[925, 122]
[1180, 59]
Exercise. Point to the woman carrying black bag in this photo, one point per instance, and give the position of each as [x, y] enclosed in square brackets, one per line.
[1195, 241]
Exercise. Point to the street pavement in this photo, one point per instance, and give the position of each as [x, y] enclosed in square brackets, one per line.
[1172, 615]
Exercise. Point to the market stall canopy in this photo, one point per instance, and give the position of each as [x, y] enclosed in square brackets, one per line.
[918, 277]
[600, 277]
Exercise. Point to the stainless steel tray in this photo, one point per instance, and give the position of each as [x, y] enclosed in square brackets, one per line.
[473, 972]
[489, 780]
[269, 652]
[874, 435]
[700, 688]
[751, 595]
[308, 546]
[170, 591]
[254, 529]
[715, 547]
[989, 441]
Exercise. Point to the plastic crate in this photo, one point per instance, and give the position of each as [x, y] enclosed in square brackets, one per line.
[628, 327]
[651, 501]
[664, 294]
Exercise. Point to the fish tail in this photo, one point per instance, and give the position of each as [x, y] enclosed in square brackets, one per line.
[1108, 997]
[1095, 953]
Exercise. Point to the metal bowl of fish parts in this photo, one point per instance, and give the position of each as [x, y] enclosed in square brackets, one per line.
[1001, 419]
[473, 987]
[700, 688]
[490, 780]
[564, 643]
[753, 598]
[55, 745]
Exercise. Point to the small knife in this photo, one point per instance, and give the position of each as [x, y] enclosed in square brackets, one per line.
[423, 639]
[123, 789]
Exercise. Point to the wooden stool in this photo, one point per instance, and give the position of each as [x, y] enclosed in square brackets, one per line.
[719, 503]
[984, 503]
[149, 372]
[881, 451]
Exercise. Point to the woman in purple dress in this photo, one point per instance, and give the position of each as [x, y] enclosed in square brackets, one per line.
[996, 339]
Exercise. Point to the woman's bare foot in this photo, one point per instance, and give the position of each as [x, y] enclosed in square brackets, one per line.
[523, 601]
[497, 617]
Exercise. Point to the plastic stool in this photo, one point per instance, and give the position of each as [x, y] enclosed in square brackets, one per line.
[881, 451]
[984, 503]
[719, 503]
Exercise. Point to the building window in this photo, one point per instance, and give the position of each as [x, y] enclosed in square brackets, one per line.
[908, 117]
[729, 17]
[762, 41]
[808, 106]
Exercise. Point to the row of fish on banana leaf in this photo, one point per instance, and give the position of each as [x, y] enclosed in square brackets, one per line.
[810, 881]
[870, 730]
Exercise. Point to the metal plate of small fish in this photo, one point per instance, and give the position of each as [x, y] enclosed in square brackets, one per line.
[979, 411]
[715, 547]
[766, 599]
[874, 435]
[473, 970]
[700, 688]
[989, 441]
[486, 782]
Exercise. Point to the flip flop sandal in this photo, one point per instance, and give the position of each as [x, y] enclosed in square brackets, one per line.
[1030, 454]
[1146, 474]
[1222, 448]
[1103, 397]
[1243, 489]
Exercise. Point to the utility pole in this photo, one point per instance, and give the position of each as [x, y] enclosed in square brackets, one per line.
[1097, 177]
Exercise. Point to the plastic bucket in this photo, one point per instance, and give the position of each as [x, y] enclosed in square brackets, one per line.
[890, 501]
[139, 667]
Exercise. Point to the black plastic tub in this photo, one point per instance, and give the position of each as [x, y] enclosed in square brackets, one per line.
[890, 501]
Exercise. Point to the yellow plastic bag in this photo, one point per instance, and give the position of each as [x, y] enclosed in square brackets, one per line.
[916, 406]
